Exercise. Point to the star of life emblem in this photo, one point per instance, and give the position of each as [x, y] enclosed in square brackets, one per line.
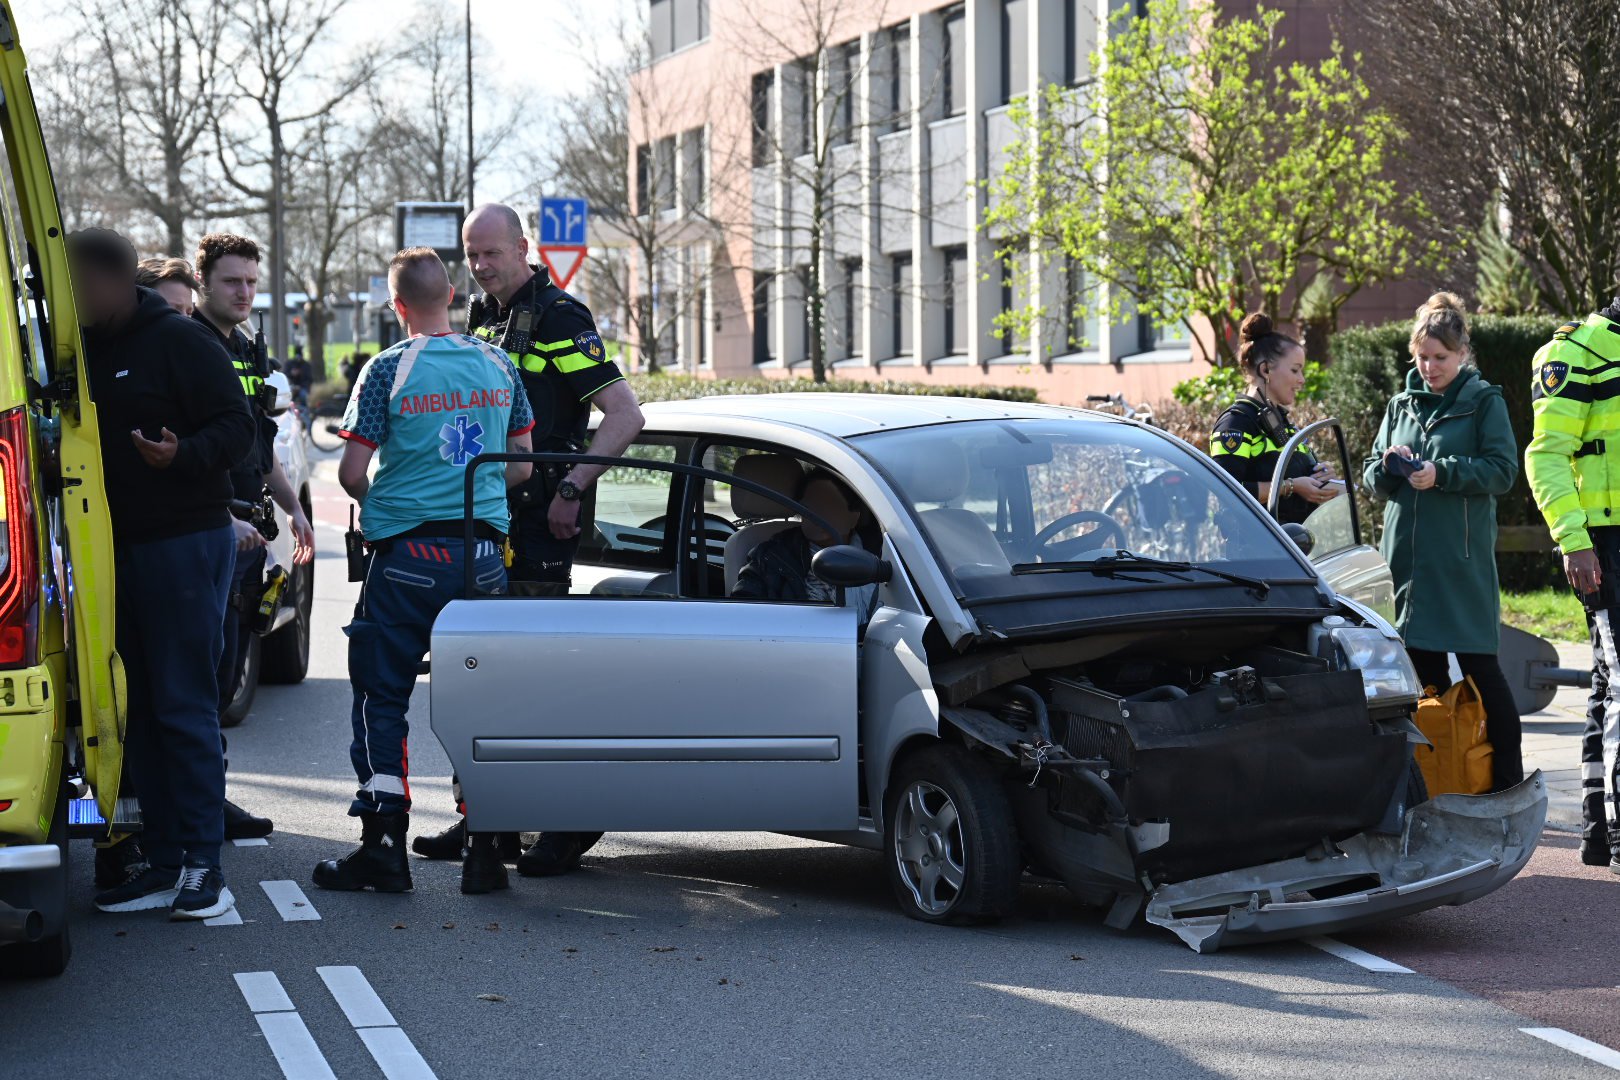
[463, 440]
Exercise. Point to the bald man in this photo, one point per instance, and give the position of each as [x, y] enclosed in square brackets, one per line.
[552, 340]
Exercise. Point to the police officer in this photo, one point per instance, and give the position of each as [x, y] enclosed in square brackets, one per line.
[553, 341]
[1250, 434]
[1576, 402]
[228, 266]
[429, 404]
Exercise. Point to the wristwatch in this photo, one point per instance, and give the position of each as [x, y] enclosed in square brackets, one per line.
[568, 490]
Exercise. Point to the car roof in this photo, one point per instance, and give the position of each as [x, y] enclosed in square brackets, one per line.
[846, 415]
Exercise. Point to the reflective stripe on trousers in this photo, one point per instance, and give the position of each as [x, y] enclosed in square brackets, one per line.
[1609, 737]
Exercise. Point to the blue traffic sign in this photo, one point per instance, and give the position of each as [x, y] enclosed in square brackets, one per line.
[562, 221]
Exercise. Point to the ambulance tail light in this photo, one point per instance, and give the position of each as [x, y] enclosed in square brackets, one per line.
[19, 545]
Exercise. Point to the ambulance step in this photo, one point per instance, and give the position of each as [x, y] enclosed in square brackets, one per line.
[85, 820]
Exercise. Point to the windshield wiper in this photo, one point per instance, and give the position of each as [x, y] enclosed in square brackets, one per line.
[1110, 565]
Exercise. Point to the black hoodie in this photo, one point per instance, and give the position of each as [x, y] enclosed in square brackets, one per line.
[160, 370]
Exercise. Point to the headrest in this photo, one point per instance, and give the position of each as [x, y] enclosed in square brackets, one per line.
[779, 473]
[934, 472]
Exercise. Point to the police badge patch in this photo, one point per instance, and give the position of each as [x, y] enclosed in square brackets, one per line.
[1229, 441]
[1554, 374]
[590, 343]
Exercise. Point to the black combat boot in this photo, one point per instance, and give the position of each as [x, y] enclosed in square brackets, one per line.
[1595, 850]
[450, 844]
[481, 870]
[1614, 850]
[556, 853]
[241, 825]
[379, 862]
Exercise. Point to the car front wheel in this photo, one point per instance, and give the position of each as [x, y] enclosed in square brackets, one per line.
[949, 840]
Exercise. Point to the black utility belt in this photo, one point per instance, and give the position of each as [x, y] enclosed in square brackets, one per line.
[1596, 446]
[443, 530]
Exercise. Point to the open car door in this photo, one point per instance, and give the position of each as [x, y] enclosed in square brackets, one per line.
[1352, 568]
[79, 522]
[613, 712]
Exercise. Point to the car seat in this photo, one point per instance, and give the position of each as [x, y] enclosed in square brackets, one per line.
[781, 474]
[941, 474]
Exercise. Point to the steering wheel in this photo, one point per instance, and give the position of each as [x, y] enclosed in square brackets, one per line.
[1056, 551]
[712, 523]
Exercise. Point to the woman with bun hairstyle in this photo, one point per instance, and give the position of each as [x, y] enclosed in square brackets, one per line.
[1250, 434]
[1444, 452]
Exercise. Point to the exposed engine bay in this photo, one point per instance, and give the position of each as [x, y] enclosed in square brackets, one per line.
[1188, 775]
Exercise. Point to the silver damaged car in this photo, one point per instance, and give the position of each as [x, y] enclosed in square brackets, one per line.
[1057, 644]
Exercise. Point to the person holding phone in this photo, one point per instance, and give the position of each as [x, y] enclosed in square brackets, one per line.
[1443, 454]
[1251, 433]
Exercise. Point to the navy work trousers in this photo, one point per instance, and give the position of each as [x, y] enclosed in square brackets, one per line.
[245, 583]
[171, 618]
[408, 582]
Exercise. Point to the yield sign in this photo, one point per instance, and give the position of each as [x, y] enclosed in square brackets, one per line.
[563, 261]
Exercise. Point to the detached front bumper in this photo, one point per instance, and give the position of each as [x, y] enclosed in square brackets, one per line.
[1452, 849]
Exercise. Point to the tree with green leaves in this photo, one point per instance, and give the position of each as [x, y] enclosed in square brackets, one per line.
[1199, 175]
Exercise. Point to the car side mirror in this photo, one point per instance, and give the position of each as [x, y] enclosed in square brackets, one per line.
[283, 392]
[849, 567]
[1301, 536]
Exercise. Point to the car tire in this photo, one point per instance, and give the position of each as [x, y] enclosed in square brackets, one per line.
[47, 957]
[285, 653]
[246, 687]
[949, 840]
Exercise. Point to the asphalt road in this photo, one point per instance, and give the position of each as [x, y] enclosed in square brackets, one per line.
[744, 955]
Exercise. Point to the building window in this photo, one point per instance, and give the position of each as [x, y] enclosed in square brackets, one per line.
[1014, 339]
[900, 306]
[694, 166]
[764, 98]
[764, 343]
[1014, 49]
[1081, 330]
[804, 139]
[700, 337]
[843, 82]
[1153, 337]
[1079, 39]
[643, 177]
[675, 24]
[852, 307]
[956, 61]
[900, 75]
[956, 301]
[664, 173]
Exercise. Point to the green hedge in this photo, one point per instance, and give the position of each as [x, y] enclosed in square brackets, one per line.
[1369, 367]
[686, 387]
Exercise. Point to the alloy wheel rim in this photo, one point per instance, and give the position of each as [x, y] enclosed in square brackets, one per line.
[928, 847]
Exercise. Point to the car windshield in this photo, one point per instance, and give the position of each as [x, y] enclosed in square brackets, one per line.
[1023, 508]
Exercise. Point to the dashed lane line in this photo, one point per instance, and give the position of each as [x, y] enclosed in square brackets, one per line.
[284, 1030]
[386, 1041]
[1586, 1048]
[252, 841]
[1358, 957]
[232, 917]
[290, 902]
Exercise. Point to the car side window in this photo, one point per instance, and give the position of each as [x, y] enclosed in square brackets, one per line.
[629, 526]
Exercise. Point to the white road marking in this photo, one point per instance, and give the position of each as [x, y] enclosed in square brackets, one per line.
[291, 903]
[263, 992]
[356, 998]
[294, 1047]
[1357, 957]
[284, 1030]
[232, 917]
[252, 841]
[1586, 1048]
[388, 1044]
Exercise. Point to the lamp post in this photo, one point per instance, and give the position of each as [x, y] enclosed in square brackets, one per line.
[469, 110]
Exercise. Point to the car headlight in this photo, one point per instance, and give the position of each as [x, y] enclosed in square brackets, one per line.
[1386, 670]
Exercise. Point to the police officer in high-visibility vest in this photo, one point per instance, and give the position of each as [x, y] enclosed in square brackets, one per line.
[427, 406]
[1573, 463]
[1252, 431]
[553, 340]
[228, 269]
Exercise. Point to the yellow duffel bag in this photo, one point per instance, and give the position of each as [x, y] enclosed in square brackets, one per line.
[1460, 759]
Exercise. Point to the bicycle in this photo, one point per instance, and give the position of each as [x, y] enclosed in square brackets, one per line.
[324, 421]
[1116, 405]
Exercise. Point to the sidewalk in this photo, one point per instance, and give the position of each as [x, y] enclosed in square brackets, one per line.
[1552, 742]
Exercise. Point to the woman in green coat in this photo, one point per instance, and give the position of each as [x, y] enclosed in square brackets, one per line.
[1444, 452]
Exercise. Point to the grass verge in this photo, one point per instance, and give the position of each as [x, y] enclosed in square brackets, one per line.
[1553, 614]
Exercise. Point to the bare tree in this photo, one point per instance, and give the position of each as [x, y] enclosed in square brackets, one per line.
[815, 128]
[1530, 109]
[651, 214]
[282, 97]
[132, 103]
